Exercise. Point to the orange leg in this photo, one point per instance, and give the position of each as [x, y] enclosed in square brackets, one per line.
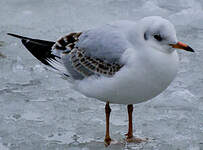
[129, 135]
[130, 125]
[107, 136]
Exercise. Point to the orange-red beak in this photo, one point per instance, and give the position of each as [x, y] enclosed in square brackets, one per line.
[183, 46]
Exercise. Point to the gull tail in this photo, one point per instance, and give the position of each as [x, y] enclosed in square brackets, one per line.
[42, 50]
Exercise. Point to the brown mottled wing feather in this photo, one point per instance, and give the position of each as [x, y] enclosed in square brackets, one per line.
[79, 62]
[94, 65]
[67, 42]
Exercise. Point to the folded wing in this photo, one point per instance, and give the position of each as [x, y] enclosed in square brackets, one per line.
[79, 55]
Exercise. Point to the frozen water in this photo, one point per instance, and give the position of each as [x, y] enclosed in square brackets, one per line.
[38, 109]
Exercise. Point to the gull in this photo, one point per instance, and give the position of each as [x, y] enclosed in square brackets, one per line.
[124, 62]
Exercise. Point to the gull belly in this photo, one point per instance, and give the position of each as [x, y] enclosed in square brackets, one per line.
[145, 76]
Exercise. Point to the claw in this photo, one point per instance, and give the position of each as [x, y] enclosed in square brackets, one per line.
[107, 141]
[128, 136]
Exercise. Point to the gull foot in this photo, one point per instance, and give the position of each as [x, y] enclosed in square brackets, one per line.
[136, 140]
[107, 141]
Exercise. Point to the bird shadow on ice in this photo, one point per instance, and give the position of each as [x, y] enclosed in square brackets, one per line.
[93, 145]
[2, 44]
[115, 145]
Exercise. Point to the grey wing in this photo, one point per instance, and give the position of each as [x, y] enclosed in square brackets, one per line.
[106, 43]
[94, 52]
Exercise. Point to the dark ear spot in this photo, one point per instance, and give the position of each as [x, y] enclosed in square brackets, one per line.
[145, 36]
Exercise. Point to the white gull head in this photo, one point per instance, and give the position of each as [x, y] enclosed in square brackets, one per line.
[158, 33]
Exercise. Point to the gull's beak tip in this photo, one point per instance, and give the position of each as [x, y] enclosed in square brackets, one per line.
[189, 49]
[183, 46]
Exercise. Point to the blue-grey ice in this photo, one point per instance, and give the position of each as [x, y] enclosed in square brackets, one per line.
[39, 110]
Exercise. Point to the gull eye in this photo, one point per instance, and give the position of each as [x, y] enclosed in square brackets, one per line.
[158, 37]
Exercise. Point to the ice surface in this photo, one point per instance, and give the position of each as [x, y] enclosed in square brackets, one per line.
[38, 109]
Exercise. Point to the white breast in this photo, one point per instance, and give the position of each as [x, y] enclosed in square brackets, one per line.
[144, 77]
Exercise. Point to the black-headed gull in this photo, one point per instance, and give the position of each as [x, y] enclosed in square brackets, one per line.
[125, 62]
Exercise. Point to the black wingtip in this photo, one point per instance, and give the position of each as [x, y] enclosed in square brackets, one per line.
[38, 41]
[17, 36]
[11, 34]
